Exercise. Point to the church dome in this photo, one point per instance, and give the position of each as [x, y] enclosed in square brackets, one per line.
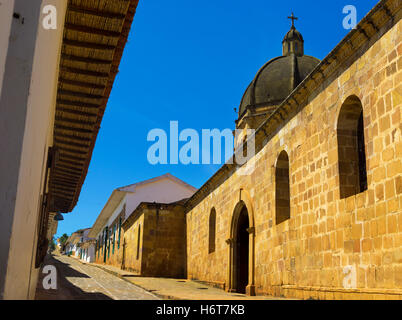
[276, 80]
[279, 76]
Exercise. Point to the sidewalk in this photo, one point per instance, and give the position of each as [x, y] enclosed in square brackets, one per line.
[178, 289]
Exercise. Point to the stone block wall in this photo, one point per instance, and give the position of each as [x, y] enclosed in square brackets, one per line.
[331, 247]
[133, 243]
[159, 249]
[165, 242]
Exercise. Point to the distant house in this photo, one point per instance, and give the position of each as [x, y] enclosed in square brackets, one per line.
[88, 250]
[111, 246]
[75, 244]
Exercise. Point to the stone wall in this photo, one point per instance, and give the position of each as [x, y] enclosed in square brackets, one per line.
[164, 246]
[133, 244]
[326, 235]
[159, 249]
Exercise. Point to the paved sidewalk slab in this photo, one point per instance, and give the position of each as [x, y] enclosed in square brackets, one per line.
[78, 281]
[179, 289]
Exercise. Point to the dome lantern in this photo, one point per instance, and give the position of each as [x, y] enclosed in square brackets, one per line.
[293, 42]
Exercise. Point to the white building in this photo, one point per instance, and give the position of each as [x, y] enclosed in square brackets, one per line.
[77, 245]
[123, 202]
[58, 62]
[88, 251]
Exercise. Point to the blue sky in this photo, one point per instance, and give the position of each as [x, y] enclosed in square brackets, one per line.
[191, 61]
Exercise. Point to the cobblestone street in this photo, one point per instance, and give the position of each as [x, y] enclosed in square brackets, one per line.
[77, 281]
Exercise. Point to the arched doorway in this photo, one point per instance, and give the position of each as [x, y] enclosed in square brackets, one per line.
[241, 252]
[241, 249]
[241, 243]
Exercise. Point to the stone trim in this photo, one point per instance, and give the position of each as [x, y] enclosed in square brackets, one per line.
[311, 292]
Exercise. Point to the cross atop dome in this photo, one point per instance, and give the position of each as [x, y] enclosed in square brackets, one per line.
[293, 18]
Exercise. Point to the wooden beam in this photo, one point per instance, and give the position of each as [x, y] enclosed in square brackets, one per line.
[85, 59]
[70, 157]
[72, 137]
[75, 177]
[67, 174]
[60, 200]
[61, 127]
[83, 84]
[86, 29]
[85, 72]
[62, 187]
[69, 164]
[63, 179]
[64, 182]
[94, 12]
[66, 168]
[76, 112]
[74, 151]
[75, 144]
[79, 94]
[64, 202]
[63, 190]
[77, 121]
[88, 45]
[56, 182]
[78, 104]
[74, 163]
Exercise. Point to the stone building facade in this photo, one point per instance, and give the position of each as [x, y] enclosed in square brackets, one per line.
[155, 240]
[321, 214]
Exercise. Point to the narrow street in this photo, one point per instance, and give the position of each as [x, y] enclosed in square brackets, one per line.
[77, 281]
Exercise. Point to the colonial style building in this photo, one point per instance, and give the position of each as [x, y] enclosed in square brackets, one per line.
[78, 245]
[321, 214]
[133, 208]
[58, 62]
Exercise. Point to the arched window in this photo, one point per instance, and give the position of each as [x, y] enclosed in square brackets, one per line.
[212, 231]
[351, 148]
[282, 195]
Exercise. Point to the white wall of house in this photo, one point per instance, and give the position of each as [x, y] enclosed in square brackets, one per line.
[71, 248]
[28, 73]
[167, 189]
[88, 254]
[6, 16]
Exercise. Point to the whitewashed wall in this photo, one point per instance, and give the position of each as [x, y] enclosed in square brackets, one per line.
[29, 71]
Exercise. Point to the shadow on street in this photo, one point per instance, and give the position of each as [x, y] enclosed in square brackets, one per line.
[65, 289]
